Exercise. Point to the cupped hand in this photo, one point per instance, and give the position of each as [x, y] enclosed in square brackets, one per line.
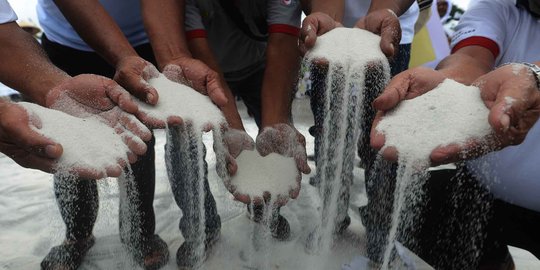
[235, 142]
[406, 85]
[133, 73]
[384, 23]
[314, 25]
[199, 76]
[287, 141]
[96, 96]
[513, 98]
[20, 142]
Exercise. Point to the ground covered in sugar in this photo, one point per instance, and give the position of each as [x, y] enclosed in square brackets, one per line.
[30, 222]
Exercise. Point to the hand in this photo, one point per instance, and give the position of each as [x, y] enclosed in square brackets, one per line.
[406, 85]
[511, 94]
[313, 26]
[385, 23]
[235, 142]
[198, 75]
[96, 96]
[133, 74]
[285, 140]
[21, 143]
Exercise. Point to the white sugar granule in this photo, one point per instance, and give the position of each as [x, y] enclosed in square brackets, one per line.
[87, 142]
[347, 45]
[450, 113]
[256, 174]
[180, 100]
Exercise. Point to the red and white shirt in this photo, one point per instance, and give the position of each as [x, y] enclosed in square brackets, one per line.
[238, 54]
[512, 35]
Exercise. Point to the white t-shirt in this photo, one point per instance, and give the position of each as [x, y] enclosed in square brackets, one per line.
[6, 12]
[126, 13]
[355, 10]
[512, 35]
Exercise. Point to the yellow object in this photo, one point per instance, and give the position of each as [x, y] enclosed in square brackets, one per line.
[421, 49]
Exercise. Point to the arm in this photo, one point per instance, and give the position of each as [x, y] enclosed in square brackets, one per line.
[322, 16]
[280, 75]
[164, 23]
[26, 68]
[99, 30]
[397, 6]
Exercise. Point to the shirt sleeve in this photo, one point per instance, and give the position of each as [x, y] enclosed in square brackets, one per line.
[6, 12]
[193, 21]
[284, 16]
[483, 24]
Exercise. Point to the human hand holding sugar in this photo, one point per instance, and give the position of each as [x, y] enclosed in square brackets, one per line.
[198, 75]
[23, 144]
[314, 25]
[385, 23]
[512, 95]
[446, 124]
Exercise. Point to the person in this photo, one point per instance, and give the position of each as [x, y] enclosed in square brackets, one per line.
[379, 17]
[450, 15]
[498, 204]
[26, 69]
[252, 45]
[108, 38]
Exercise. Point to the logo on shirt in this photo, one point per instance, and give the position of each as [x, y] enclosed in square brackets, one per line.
[286, 2]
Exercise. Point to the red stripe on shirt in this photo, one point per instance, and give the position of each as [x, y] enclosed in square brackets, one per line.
[197, 33]
[284, 29]
[478, 41]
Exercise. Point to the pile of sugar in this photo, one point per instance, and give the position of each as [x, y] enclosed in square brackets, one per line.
[87, 142]
[256, 174]
[180, 100]
[347, 46]
[450, 113]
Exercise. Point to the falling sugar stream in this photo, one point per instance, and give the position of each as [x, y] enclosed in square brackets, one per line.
[343, 107]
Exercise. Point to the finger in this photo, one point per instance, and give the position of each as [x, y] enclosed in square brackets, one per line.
[390, 153]
[302, 165]
[131, 123]
[395, 92]
[121, 97]
[151, 122]
[446, 154]
[390, 36]
[88, 173]
[232, 166]
[215, 90]
[377, 139]
[281, 200]
[30, 140]
[132, 157]
[114, 171]
[308, 33]
[134, 144]
[175, 73]
[140, 88]
[174, 121]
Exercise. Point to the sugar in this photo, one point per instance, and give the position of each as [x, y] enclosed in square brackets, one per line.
[452, 113]
[87, 142]
[256, 174]
[347, 46]
[176, 99]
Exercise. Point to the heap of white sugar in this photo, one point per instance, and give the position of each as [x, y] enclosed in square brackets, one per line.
[87, 142]
[256, 174]
[450, 113]
[180, 100]
[346, 46]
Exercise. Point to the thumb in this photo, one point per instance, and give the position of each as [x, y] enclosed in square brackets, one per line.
[35, 143]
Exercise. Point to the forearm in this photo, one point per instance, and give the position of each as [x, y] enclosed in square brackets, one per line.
[201, 50]
[97, 28]
[334, 8]
[164, 23]
[25, 67]
[280, 77]
[397, 6]
[467, 64]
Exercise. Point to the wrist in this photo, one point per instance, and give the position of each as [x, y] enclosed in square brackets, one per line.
[535, 71]
[50, 88]
[165, 58]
